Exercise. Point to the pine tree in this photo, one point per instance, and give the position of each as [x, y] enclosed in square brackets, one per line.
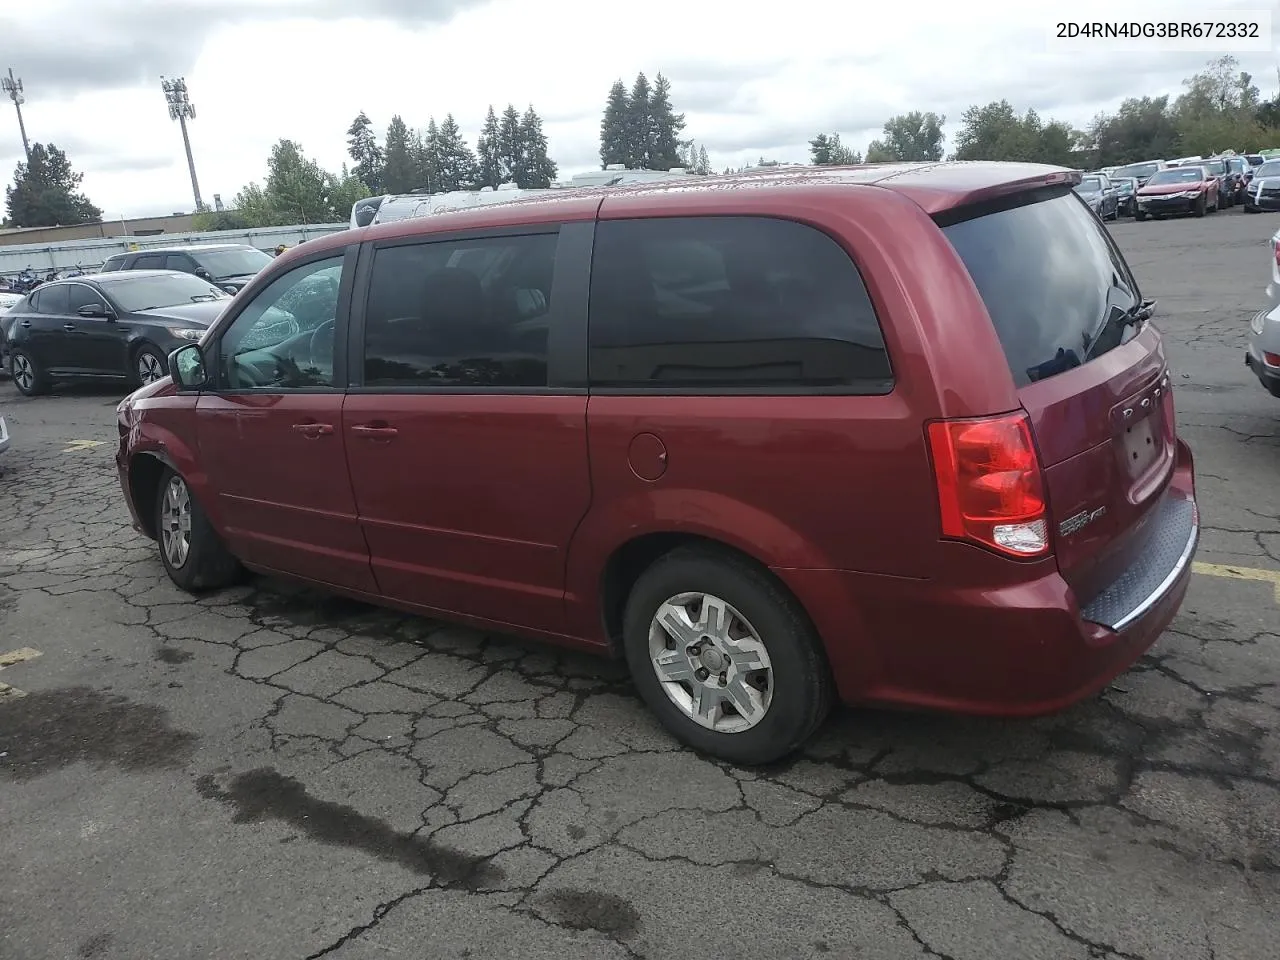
[489, 152]
[400, 170]
[46, 192]
[665, 125]
[362, 146]
[511, 154]
[704, 162]
[639, 125]
[455, 162]
[539, 169]
[428, 157]
[613, 127]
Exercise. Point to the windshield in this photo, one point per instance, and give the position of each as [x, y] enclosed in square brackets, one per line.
[1235, 165]
[1090, 185]
[1269, 169]
[1051, 279]
[231, 263]
[1138, 170]
[1215, 167]
[1176, 175]
[167, 290]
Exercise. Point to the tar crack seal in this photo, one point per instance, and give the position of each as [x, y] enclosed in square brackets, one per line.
[173, 655]
[50, 729]
[265, 794]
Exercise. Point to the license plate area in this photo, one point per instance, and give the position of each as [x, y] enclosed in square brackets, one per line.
[1140, 444]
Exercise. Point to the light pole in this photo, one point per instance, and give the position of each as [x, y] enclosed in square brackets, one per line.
[12, 86]
[180, 108]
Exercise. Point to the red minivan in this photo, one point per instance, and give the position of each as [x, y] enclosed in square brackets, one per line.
[896, 434]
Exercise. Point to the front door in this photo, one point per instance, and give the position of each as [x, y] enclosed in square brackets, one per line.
[97, 345]
[470, 471]
[270, 430]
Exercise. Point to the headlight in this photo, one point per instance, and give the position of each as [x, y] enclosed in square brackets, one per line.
[1190, 194]
[186, 334]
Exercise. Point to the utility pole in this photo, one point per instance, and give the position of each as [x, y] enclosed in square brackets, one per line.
[12, 86]
[180, 108]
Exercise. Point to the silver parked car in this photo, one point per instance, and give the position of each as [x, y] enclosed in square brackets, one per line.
[1263, 351]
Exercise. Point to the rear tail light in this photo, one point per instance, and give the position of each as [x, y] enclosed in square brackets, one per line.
[1272, 359]
[990, 486]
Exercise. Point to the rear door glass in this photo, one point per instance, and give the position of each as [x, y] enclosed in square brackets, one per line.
[1051, 280]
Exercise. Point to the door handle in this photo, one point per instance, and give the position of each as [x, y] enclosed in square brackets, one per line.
[313, 430]
[68, 326]
[24, 323]
[371, 432]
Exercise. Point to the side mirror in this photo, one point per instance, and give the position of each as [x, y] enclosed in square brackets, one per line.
[203, 274]
[186, 367]
[96, 311]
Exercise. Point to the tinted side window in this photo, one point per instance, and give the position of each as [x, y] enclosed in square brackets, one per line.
[178, 261]
[150, 261]
[52, 299]
[1051, 280]
[465, 313]
[113, 263]
[730, 302]
[80, 295]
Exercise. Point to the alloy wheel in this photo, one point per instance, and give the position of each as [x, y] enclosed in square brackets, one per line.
[24, 375]
[711, 662]
[175, 522]
[149, 369]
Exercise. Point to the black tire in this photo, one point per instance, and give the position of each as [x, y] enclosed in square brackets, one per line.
[1139, 215]
[153, 358]
[28, 376]
[802, 688]
[208, 564]
[1200, 207]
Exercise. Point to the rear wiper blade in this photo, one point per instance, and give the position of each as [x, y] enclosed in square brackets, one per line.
[1137, 314]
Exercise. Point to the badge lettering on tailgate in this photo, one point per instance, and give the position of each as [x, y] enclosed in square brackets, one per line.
[1077, 522]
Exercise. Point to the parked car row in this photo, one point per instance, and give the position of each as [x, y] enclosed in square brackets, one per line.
[772, 454]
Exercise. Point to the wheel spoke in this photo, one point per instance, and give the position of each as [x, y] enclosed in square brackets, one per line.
[714, 618]
[675, 620]
[673, 666]
[706, 704]
[745, 698]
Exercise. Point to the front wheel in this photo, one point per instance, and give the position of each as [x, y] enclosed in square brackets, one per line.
[193, 554]
[724, 657]
[149, 365]
[1200, 207]
[1140, 215]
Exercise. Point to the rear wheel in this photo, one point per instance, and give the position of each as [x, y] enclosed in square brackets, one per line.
[28, 376]
[724, 657]
[193, 554]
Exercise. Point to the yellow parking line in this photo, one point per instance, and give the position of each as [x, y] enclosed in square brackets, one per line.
[76, 445]
[8, 660]
[1231, 572]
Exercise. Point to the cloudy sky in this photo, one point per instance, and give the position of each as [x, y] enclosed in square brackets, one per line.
[754, 77]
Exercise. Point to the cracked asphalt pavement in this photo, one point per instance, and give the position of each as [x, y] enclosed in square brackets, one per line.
[271, 772]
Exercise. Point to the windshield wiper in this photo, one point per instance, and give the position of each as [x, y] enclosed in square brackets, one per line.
[1115, 324]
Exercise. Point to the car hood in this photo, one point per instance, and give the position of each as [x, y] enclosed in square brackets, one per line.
[1165, 189]
[200, 314]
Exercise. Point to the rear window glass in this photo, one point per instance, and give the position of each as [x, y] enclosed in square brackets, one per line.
[1052, 282]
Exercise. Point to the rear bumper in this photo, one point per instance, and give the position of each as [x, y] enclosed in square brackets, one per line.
[1022, 649]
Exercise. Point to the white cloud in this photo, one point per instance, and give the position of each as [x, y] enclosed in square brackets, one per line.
[754, 78]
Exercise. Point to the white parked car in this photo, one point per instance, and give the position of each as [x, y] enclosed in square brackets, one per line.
[8, 299]
[4, 438]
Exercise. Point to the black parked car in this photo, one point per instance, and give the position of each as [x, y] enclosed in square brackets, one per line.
[1228, 181]
[230, 265]
[114, 326]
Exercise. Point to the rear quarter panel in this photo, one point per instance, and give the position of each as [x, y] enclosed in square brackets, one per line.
[815, 482]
